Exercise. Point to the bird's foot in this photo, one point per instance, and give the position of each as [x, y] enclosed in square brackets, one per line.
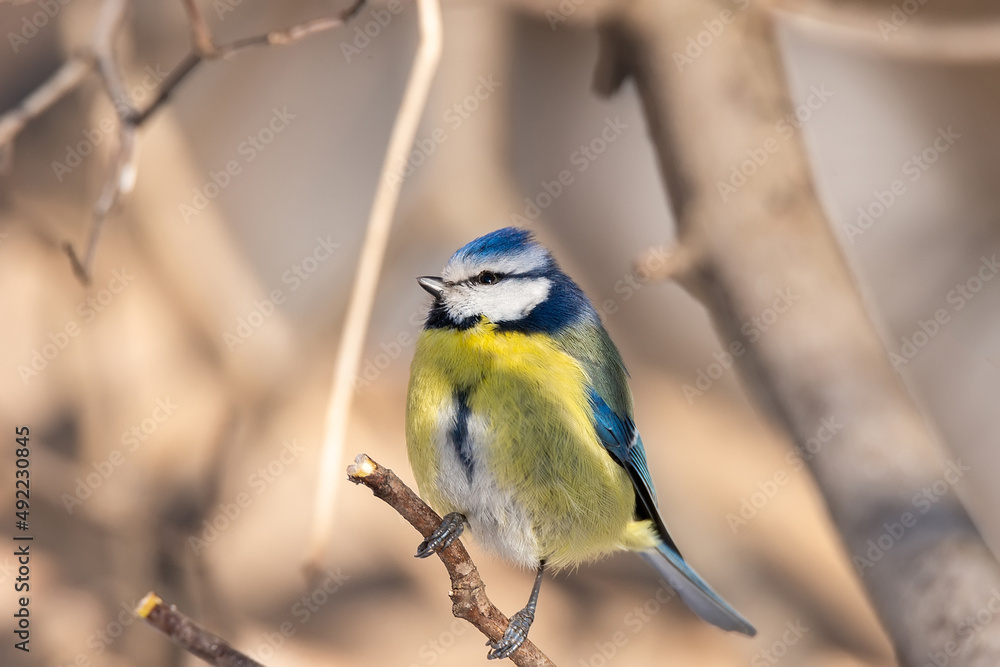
[451, 527]
[513, 636]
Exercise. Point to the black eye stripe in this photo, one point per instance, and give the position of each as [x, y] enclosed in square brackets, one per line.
[475, 280]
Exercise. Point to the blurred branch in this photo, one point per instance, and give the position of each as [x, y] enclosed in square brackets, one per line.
[121, 174]
[65, 79]
[205, 48]
[468, 592]
[190, 636]
[359, 307]
[894, 32]
[101, 56]
[820, 361]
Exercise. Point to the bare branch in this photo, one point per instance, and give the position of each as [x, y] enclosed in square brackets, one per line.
[106, 31]
[65, 79]
[359, 307]
[203, 39]
[468, 592]
[121, 174]
[190, 636]
[293, 33]
[101, 56]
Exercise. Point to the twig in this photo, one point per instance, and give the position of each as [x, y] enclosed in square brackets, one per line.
[366, 279]
[65, 79]
[190, 636]
[293, 33]
[121, 174]
[468, 592]
[205, 48]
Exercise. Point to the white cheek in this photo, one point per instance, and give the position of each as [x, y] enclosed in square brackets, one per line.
[506, 301]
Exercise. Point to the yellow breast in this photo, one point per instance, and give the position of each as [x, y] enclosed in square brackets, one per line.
[537, 456]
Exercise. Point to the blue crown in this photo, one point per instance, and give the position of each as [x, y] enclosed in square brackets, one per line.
[502, 242]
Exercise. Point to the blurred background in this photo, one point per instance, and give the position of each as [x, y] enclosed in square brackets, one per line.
[176, 404]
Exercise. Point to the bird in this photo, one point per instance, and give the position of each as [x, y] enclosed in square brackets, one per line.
[519, 426]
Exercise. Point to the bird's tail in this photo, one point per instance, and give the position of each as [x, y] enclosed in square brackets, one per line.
[695, 592]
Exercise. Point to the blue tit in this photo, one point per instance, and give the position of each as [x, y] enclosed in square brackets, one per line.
[519, 425]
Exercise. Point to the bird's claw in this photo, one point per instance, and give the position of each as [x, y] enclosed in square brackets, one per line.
[451, 527]
[513, 636]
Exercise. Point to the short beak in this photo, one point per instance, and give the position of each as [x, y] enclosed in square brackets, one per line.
[432, 284]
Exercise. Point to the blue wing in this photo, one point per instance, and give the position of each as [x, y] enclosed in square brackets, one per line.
[620, 437]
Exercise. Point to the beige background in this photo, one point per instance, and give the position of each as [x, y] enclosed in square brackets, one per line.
[163, 337]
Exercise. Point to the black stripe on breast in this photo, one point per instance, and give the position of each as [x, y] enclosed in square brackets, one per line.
[459, 434]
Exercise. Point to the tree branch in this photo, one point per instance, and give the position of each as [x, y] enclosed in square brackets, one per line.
[121, 173]
[190, 636]
[65, 79]
[821, 362]
[101, 56]
[468, 592]
[205, 48]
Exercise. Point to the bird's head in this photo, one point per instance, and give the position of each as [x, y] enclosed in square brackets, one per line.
[509, 279]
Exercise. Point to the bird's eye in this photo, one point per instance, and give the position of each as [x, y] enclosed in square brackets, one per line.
[487, 278]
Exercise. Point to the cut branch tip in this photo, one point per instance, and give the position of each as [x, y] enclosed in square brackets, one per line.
[362, 467]
[148, 604]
